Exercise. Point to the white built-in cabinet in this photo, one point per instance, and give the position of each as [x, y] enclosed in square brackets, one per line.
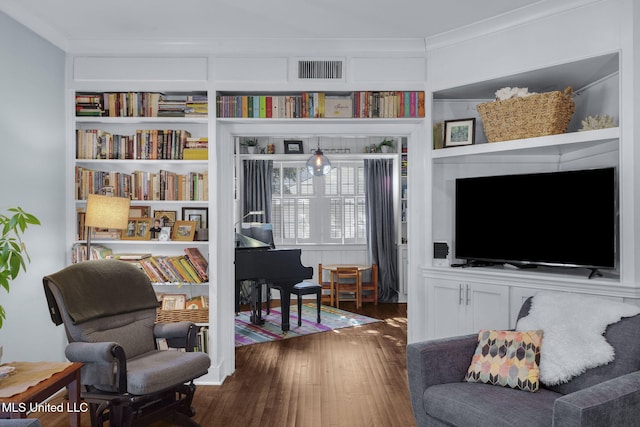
[460, 307]
[465, 300]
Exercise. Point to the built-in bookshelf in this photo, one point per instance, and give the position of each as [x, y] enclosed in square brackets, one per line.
[363, 104]
[140, 104]
[152, 148]
[144, 144]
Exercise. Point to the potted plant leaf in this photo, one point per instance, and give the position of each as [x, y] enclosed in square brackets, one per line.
[386, 145]
[13, 252]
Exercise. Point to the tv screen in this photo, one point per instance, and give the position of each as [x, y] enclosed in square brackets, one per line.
[557, 219]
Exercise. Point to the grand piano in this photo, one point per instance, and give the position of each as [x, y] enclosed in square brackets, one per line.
[260, 262]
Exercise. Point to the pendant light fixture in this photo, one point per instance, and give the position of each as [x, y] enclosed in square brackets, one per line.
[318, 164]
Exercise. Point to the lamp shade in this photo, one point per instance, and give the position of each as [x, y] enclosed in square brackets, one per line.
[107, 212]
[318, 164]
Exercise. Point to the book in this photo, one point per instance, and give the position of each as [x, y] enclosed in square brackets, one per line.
[338, 106]
[198, 261]
[195, 154]
[197, 303]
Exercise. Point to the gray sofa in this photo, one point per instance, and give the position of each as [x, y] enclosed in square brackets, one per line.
[604, 396]
[22, 422]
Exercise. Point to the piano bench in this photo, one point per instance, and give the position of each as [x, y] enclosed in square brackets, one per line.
[301, 289]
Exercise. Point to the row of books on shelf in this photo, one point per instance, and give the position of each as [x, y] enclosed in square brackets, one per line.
[364, 104]
[192, 267]
[140, 104]
[152, 144]
[142, 185]
[174, 269]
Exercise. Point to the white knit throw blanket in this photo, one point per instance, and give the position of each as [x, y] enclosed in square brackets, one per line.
[573, 327]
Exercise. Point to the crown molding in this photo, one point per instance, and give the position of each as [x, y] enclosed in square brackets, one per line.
[247, 46]
[17, 12]
[515, 18]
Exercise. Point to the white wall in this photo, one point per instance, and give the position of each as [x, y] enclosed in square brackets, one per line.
[32, 176]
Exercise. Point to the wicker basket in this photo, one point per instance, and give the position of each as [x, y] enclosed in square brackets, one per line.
[541, 114]
[200, 315]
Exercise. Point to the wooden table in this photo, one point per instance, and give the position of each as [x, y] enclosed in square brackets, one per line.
[18, 405]
[333, 268]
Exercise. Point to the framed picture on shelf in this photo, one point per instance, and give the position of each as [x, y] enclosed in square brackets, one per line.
[184, 230]
[292, 147]
[174, 301]
[459, 132]
[165, 234]
[167, 218]
[137, 229]
[199, 215]
[139, 211]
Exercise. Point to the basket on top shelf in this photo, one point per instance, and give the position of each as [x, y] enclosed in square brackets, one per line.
[535, 115]
[200, 315]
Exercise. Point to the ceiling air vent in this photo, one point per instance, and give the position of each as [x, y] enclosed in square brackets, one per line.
[310, 69]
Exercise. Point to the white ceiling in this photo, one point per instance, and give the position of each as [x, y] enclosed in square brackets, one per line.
[62, 21]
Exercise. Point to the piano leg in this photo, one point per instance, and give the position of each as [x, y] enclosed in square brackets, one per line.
[256, 304]
[285, 302]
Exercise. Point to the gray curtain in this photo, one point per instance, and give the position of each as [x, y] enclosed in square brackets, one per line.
[381, 229]
[256, 194]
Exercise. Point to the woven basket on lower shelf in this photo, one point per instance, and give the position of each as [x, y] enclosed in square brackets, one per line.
[541, 114]
[200, 315]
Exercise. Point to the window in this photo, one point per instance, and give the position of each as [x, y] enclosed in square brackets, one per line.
[316, 210]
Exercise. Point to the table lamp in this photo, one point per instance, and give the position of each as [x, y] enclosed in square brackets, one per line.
[105, 212]
[246, 215]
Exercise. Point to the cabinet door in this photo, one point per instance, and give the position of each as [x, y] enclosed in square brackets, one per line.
[446, 308]
[487, 307]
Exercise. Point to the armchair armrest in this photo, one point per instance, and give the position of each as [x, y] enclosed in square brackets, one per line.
[437, 362]
[87, 352]
[99, 359]
[615, 402]
[177, 334]
[171, 329]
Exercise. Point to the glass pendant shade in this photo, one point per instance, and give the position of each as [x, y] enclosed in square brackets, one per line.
[318, 164]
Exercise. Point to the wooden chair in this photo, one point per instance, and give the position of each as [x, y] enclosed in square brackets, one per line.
[369, 290]
[347, 281]
[328, 293]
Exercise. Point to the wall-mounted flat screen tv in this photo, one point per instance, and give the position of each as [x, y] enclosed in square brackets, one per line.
[566, 218]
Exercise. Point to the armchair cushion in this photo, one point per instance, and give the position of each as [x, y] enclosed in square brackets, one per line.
[476, 404]
[507, 358]
[176, 366]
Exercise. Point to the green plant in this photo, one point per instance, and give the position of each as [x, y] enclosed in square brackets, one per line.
[387, 142]
[250, 142]
[13, 251]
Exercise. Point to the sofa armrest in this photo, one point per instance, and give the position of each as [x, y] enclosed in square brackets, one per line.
[615, 402]
[437, 362]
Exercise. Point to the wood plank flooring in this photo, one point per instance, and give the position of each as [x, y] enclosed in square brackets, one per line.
[350, 377]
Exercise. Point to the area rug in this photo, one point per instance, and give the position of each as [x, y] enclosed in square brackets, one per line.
[331, 317]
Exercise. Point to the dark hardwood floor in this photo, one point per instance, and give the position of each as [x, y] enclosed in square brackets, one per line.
[350, 377]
